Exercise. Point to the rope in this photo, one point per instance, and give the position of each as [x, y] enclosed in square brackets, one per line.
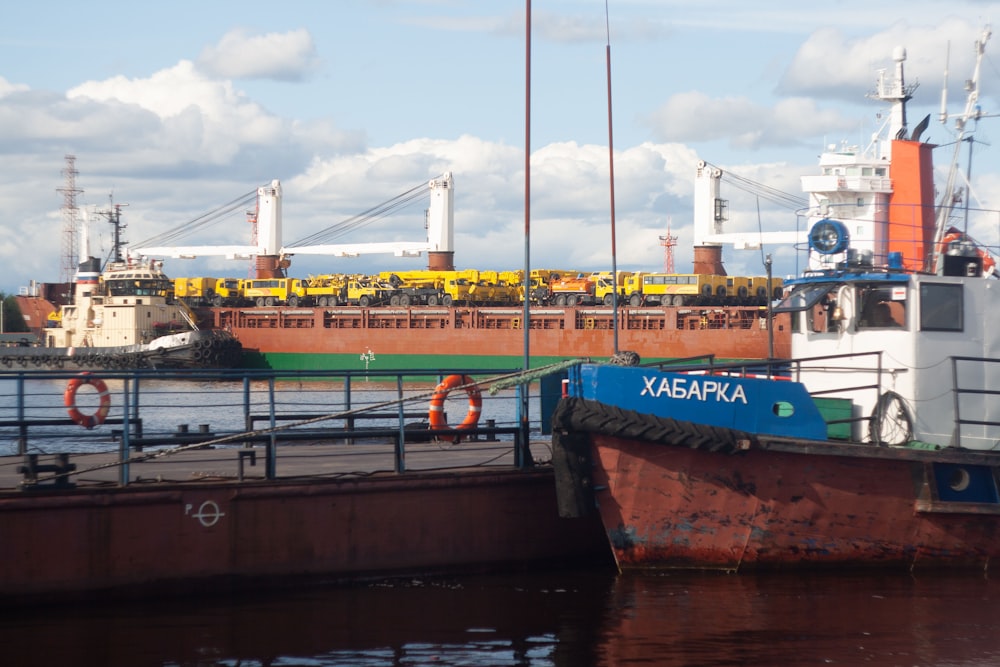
[532, 375]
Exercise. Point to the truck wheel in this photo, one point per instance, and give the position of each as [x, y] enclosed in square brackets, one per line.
[217, 300]
[635, 300]
[609, 300]
[321, 302]
[561, 300]
[269, 301]
[293, 301]
[260, 302]
[570, 299]
[334, 300]
[364, 301]
[394, 300]
[432, 300]
[447, 300]
[404, 300]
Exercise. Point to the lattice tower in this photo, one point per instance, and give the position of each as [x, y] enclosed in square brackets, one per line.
[668, 242]
[252, 219]
[71, 221]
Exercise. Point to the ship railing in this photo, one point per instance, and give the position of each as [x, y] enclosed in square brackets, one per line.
[975, 401]
[378, 419]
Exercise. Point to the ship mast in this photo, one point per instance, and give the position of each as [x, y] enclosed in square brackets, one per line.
[971, 112]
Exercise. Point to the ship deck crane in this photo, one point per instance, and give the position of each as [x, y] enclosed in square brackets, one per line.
[272, 257]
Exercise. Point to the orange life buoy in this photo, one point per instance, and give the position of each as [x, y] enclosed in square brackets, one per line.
[436, 413]
[69, 399]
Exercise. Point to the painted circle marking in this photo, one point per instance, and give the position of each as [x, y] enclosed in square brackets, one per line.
[208, 514]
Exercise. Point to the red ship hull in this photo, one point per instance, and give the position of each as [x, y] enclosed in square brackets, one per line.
[391, 338]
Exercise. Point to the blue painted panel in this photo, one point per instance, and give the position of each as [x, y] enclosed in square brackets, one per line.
[773, 407]
[965, 483]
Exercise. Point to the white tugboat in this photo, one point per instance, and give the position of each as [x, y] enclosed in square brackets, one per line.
[124, 317]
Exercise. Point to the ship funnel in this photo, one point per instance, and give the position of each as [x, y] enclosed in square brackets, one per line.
[441, 224]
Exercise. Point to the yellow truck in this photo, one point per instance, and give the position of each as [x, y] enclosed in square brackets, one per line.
[674, 289]
[274, 291]
[197, 291]
[228, 292]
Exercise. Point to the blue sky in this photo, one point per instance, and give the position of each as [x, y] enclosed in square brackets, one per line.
[177, 108]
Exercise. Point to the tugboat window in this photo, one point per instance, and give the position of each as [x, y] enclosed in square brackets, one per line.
[879, 310]
[941, 307]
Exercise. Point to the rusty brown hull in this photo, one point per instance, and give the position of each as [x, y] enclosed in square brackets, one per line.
[671, 506]
[178, 537]
[482, 338]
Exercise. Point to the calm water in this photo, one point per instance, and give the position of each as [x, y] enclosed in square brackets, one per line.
[552, 618]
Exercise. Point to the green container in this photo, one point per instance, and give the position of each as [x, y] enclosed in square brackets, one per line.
[834, 410]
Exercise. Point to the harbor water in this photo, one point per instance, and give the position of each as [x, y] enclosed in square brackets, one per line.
[536, 618]
[553, 618]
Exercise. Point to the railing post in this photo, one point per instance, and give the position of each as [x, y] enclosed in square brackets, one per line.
[125, 449]
[272, 449]
[956, 438]
[401, 441]
[22, 434]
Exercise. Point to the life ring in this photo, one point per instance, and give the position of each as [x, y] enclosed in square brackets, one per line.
[69, 399]
[436, 413]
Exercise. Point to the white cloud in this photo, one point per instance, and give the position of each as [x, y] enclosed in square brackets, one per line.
[6, 87]
[287, 56]
[744, 124]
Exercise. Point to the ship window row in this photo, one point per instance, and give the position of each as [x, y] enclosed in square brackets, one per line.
[879, 172]
[831, 307]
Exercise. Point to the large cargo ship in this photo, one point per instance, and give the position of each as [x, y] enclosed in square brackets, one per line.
[727, 318]
[485, 338]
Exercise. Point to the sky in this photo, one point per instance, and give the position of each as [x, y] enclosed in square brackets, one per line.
[174, 110]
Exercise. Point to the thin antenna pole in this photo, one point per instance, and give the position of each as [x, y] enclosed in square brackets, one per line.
[526, 319]
[611, 161]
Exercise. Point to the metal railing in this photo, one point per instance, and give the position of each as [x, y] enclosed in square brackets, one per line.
[250, 410]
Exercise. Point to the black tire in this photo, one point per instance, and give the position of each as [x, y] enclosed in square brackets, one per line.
[394, 300]
[269, 301]
[293, 301]
[364, 301]
[432, 300]
[260, 302]
[217, 300]
[334, 300]
[578, 414]
[635, 301]
[404, 300]
[447, 300]
[571, 299]
[322, 301]
[561, 300]
[609, 300]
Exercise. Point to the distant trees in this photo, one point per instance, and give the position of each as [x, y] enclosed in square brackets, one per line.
[11, 320]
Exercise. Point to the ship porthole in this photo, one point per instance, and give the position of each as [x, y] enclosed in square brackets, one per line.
[783, 409]
[959, 479]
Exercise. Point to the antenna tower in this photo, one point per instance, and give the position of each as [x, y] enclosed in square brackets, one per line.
[252, 219]
[668, 242]
[71, 217]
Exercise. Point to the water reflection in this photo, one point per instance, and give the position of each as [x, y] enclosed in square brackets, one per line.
[559, 619]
